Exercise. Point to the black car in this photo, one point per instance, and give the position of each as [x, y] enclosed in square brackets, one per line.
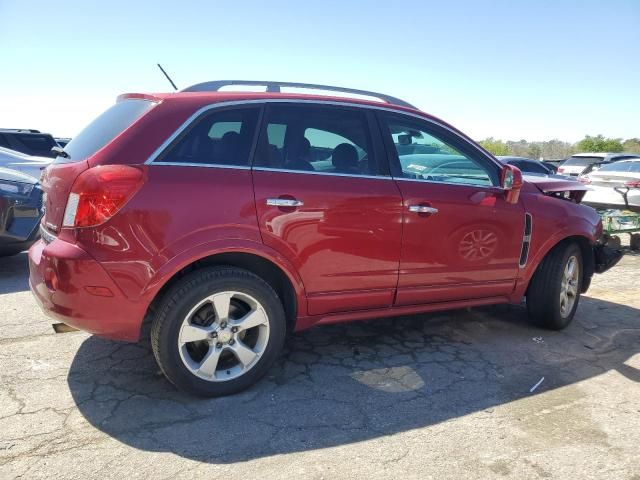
[31, 142]
[529, 166]
[20, 211]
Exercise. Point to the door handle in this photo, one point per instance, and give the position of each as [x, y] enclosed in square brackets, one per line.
[422, 209]
[284, 202]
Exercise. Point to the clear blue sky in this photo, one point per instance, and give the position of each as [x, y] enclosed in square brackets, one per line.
[533, 69]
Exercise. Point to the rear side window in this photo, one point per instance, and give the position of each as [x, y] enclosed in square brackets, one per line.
[105, 128]
[222, 137]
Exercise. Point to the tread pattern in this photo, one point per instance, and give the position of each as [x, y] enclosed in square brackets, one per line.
[543, 302]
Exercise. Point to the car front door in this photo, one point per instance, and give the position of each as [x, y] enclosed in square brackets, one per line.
[326, 202]
[461, 239]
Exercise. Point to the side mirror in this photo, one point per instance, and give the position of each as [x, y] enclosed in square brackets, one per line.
[511, 183]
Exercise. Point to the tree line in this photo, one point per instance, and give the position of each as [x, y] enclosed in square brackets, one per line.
[557, 149]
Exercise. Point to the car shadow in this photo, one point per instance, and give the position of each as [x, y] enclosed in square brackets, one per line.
[14, 273]
[347, 383]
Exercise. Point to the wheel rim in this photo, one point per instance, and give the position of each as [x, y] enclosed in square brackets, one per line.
[223, 336]
[569, 286]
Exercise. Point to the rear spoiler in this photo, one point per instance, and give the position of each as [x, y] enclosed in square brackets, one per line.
[139, 96]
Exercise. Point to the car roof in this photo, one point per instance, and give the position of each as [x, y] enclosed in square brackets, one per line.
[202, 99]
[228, 96]
[592, 154]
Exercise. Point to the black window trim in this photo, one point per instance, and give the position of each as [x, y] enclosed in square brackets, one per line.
[376, 144]
[441, 131]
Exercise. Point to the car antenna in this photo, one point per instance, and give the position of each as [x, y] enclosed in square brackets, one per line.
[168, 77]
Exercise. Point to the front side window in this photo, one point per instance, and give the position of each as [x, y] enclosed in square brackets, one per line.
[424, 153]
[221, 137]
[313, 138]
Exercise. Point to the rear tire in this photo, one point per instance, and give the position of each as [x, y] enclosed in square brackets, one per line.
[217, 331]
[554, 292]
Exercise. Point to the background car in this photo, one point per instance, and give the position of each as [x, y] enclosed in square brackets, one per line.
[31, 142]
[528, 166]
[612, 182]
[20, 211]
[27, 164]
[62, 141]
[577, 163]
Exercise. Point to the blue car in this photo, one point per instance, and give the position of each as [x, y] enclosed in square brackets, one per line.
[20, 211]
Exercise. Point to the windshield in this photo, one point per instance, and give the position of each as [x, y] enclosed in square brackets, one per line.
[105, 128]
[581, 161]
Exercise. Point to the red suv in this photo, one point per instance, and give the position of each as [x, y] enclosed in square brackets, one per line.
[217, 221]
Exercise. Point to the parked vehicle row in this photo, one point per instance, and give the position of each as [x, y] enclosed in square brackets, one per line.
[218, 221]
[580, 163]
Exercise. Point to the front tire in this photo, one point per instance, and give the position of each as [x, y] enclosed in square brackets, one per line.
[218, 331]
[554, 291]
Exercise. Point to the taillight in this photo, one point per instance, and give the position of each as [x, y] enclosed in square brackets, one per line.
[560, 170]
[585, 180]
[98, 193]
[632, 184]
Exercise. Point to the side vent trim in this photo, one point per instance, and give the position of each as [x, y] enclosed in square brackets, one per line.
[526, 240]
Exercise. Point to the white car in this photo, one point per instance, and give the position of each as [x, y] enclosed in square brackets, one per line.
[577, 163]
[609, 184]
[24, 163]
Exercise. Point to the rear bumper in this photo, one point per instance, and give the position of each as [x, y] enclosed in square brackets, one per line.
[61, 277]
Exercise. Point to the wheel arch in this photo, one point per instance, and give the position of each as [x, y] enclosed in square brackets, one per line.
[287, 285]
[588, 261]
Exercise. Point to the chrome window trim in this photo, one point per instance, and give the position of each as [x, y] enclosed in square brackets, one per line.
[263, 101]
[491, 187]
[333, 174]
[205, 165]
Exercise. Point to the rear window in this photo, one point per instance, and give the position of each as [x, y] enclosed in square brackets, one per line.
[105, 128]
[621, 167]
[28, 143]
[581, 161]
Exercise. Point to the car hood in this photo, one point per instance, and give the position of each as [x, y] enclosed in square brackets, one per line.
[558, 186]
[9, 175]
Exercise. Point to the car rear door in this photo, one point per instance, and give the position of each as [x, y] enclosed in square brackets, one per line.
[325, 201]
[461, 239]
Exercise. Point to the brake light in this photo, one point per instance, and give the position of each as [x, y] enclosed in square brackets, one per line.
[98, 194]
[585, 180]
[560, 170]
[632, 184]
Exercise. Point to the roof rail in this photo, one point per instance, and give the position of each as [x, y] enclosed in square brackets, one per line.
[275, 87]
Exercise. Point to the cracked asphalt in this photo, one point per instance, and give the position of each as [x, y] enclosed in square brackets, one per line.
[431, 396]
